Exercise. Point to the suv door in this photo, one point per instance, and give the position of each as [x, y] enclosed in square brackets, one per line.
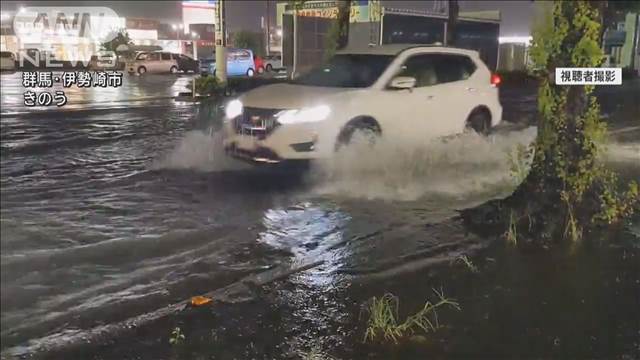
[438, 104]
[456, 96]
[411, 112]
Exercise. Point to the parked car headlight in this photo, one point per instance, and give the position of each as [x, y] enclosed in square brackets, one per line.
[233, 109]
[313, 114]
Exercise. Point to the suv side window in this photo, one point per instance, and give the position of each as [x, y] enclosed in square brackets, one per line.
[420, 67]
[432, 69]
[453, 67]
[166, 56]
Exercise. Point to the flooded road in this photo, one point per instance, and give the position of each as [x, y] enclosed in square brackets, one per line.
[109, 212]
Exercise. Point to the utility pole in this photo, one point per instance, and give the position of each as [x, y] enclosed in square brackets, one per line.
[452, 22]
[268, 30]
[221, 43]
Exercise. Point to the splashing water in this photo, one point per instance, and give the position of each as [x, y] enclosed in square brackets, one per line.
[199, 150]
[456, 167]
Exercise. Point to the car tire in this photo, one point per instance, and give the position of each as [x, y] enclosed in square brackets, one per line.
[480, 122]
[250, 73]
[173, 69]
[357, 131]
[269, 68]
[142, 70]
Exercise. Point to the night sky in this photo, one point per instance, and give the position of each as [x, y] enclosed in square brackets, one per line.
[241, 14]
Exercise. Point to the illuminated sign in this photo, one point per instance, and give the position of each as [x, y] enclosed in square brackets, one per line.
[360, 10]
[198, 12]
[203, 4]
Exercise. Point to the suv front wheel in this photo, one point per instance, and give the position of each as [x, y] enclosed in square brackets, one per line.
[364, 131]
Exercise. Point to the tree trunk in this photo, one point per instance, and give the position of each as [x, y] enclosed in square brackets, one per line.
[567, 190]
[344, 11]
[452, 22]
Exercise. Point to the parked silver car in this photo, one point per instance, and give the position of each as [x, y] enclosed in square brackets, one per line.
[152, 62]
[272, 62]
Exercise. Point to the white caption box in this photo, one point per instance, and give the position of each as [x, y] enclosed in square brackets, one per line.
[588, 76]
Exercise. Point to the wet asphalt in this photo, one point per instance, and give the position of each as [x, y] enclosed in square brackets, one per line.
[122, 202]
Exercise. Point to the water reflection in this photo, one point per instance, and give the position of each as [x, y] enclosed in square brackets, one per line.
[310, 232]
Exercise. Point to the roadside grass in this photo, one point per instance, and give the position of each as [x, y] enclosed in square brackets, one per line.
[512, 231]
[519, 161]
[177, 336]
[468, 263]
[383, 322]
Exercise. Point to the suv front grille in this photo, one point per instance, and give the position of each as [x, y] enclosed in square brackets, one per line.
[256, 122]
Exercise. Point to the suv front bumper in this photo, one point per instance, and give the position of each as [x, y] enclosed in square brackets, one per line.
[290, 142]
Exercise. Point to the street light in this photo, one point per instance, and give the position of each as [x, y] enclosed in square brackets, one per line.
[194, 34]
[175, 28]
[279, 32]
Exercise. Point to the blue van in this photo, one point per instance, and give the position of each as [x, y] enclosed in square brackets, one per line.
[239, 63]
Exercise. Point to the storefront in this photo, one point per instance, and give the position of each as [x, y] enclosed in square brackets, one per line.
[305, 29]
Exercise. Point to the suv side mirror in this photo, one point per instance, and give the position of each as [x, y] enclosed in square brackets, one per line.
[403, 82]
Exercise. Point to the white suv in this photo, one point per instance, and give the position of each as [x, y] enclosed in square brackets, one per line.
[393, 91]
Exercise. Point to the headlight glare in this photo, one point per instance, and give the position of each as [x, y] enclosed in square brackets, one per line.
[233, 109]
[313, 114]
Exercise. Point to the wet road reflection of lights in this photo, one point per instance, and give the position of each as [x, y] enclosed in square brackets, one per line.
[310, 232]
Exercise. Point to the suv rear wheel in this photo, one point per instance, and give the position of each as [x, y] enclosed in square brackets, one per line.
[174, 69]
[479, 121]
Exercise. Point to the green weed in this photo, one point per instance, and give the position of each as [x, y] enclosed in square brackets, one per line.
[465, 260]
[177, 336]
[383, 318]
[512, 231]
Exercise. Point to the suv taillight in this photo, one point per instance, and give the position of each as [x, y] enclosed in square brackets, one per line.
[495, 80]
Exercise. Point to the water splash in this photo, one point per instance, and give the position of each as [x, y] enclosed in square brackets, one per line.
[461, 166]
[199, 150]
[616, 152]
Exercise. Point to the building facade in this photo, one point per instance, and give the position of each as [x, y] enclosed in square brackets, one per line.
[305, 29]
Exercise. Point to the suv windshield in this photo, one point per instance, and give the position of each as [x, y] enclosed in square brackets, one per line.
[347, 70]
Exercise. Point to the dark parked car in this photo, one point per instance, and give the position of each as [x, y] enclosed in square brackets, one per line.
[186, 63]
[205, 65]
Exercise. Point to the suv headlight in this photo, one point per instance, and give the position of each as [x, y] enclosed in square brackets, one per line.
[233, 109]
[313, 114]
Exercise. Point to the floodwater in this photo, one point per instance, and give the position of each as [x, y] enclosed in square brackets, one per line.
[110, 212]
